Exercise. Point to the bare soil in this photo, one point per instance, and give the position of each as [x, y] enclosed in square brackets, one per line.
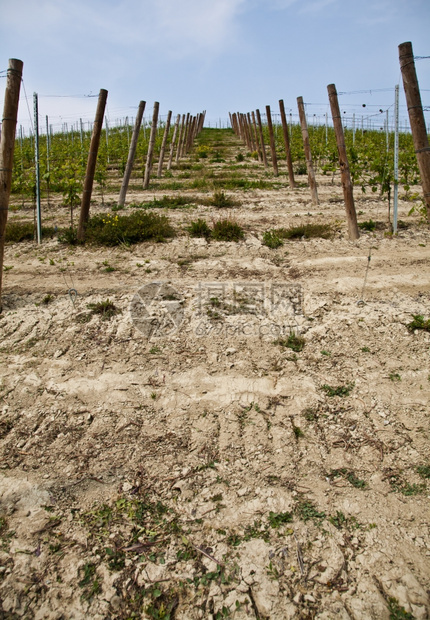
[199, 468]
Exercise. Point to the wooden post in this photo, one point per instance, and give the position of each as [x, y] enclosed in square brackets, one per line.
[351, 215]
[416, 118]
[251, 134]
[260, 130]
[185, 135]
[272, 141]
[287, 144]
[307, 148]
[131, 154]
[91, 164]
[172, 144]
[191, 134]
[254, 124]
[181, 132]
[7, 145]
[163, 144]
[151, 145]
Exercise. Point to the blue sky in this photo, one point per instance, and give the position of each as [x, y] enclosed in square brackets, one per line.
[218, 55]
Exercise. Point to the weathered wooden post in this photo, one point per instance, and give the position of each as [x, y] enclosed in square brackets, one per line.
[163, 144]
[287, 144]
[181, 132]
[172, 144]
[272, 141]
[260, 130]
[131, 154]
[248, 132]
[185, 135]
[307, 148]
[91, 164]
[351, 215]
[7, 145]
[151, 145]
[254, 124]
[416, 118]
[190, 134]
[251, 134]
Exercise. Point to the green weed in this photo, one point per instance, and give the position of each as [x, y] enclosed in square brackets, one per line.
[397, 612]
[369, 225]
[424, 471]
[306, 510]
[307, 231]
[106, 309]
[419, 323]
[220, 200]
[276, 519]
[340, 390]
[227, 230]
[349, 475]
[199, 228]
[272, 240]
[294, 342]
[111, 230]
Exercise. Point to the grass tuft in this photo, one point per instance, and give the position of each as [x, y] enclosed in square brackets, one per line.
[227, 230]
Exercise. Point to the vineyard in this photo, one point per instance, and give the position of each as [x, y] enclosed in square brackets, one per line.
[215, 404]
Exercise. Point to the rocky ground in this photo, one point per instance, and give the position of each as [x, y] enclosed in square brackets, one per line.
[178, 459]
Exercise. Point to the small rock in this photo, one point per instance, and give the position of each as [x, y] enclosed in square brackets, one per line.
[115, 602]
[127, 486]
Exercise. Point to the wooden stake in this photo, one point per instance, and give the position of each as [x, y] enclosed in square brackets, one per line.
[172, 144]
[260, 131]
[351, 215]
[416, 118]
[151, 145]
[307, 148]
[272, 141]
[131, 154]
[287, 144]
[7, 145]
[91, 164]
[254, 124]
[185, 135]
[181, 131]
[163, 144]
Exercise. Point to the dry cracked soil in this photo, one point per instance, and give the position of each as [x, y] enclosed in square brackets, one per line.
[247, 436]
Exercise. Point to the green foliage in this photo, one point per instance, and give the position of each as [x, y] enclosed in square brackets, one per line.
[340, 390]
[227, 230]
[397, 612]
[294, 342]
[369, 225]
[68, 236]
[298, 432]
[24, 231]
[419, 323]
[276, 519]
[116, 229]
[307, 510]
[350, 476]
[167, 202]
[271, 239]
[220, 200]
[424, 471]
[106, 309]
[199, 228]
[306, 231]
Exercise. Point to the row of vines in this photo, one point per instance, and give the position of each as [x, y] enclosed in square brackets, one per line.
[63, 161]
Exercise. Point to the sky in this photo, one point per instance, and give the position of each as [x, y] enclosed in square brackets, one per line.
[216, 55]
